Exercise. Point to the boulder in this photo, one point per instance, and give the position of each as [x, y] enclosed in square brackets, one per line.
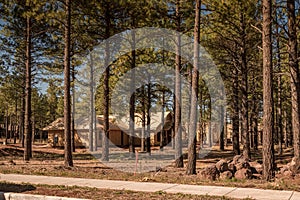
[253, 170]
[242, 165]
[222, 165]
[288, 174]
[231, 167]
[243, 174]
[210, 172]
[226, 175]
[283, 169]
[258, 167]
[237, 159]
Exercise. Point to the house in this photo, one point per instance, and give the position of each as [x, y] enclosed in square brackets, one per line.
[118, 129]
[56, 134]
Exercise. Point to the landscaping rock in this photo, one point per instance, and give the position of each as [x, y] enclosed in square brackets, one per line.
[253, 170]
[222, 166]
[243, 174]
[288, 173]
[283, 169]
[210, 172]
[237, 159]
[226, 175]
[256, 176]
[258, 167]
[231, 167]
[242, 165]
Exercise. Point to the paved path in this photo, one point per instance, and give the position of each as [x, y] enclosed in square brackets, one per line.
[154, 187]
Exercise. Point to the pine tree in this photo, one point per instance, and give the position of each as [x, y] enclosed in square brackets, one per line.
[295, 77]
[268, 147]
[191, 166]
[67, 96]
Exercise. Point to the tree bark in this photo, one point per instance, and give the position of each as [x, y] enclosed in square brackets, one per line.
[286, 138]
[143, 120]
[73, 111]
[222, 128]
[178, 128]
[191, 165]
[67, 97]
[162, 135]
[235, 115]
[244, 88]
[268, 122]
[132, 99]
[148, 139]
[22, 120]
[279, 117]
[105, 136]
[27, 121]
[92, 105]
[255, 124]
[6, 127]
[295, 77]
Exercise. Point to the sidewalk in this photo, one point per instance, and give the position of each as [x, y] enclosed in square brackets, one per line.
[154, 187]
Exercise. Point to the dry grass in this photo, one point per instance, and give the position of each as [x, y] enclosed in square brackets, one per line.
[48, 161]
[94, 193]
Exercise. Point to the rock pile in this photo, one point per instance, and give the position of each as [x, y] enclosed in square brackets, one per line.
[239, 168]
[291, 169]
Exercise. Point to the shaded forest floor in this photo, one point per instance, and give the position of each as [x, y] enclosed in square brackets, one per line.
[49, 162]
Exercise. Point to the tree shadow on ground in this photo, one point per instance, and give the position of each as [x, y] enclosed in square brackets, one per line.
[17, 188]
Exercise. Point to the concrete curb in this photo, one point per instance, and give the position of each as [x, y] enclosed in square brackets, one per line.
[19, 196]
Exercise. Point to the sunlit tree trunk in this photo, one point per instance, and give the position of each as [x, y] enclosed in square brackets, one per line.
[191, 165]
[268, 122]
[178, 127]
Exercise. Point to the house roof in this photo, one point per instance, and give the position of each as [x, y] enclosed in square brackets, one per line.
[58, 124]
[115, 123]
[155, 121]
[83, 124]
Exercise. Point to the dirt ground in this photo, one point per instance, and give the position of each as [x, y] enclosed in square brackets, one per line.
[49, 161]
[94, 193]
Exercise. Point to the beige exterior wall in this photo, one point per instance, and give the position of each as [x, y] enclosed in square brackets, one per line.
[60, 136]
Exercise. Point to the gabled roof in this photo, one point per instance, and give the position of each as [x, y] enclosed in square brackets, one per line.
[155, 121]
[58, 124]
[115, 123]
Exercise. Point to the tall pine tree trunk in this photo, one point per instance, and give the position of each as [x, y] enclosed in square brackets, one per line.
[132, 99]
[27, 121]
[162, 133]
[268, 122]
[22, 119]
[73, 111]
[294, 69]
[178, 128]
[105, 136]
[67, 97]
[244, 88]
[255, 122]
[92, 105]
[235, 114]
[191, 165]
[279, 93]
[148, 107]
[279, 117]
[143, 120]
